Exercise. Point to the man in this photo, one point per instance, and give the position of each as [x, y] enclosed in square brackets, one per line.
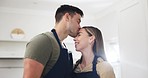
[45, 57]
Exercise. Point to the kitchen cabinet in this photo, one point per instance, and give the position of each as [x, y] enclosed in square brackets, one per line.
[12, 48]
[11, 68]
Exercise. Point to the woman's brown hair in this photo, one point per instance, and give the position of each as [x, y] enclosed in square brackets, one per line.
[98, 47]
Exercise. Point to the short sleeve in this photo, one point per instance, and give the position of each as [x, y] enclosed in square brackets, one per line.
[105, 70]
[39, 49]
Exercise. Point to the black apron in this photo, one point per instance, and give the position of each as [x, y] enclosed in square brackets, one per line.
[91, 74]
[64, 65]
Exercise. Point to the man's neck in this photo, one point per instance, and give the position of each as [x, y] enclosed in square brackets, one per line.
[61, 32]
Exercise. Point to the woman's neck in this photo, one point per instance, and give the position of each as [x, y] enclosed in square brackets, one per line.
[87, 58]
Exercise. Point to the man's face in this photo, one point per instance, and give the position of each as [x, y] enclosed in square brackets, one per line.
[74, 25]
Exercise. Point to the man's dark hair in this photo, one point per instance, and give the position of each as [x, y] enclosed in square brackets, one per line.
[72, 10]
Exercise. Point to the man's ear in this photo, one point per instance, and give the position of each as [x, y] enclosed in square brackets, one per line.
[91, 39]
[67, 16]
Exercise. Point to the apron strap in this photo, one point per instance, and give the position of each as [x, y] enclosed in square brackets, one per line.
[94, 63]
[77, 63]
[57, 38]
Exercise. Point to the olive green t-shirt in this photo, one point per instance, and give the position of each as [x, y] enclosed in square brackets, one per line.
[45, 49]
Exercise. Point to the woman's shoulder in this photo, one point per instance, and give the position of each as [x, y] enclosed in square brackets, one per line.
[103, 65]
[104, 69]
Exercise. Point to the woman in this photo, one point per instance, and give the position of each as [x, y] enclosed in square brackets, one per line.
[93, 62]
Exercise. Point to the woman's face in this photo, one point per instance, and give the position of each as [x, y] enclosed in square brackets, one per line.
[82, 40]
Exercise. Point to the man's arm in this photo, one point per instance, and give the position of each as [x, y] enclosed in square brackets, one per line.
[32, 68]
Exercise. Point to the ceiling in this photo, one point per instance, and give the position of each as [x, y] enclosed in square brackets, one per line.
[89, 7]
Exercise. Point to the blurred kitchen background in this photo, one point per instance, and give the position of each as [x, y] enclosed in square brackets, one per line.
[124, 24]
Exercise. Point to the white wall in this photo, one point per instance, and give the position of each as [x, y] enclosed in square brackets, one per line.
[30, 24]
[132, 22]
[108, 24]
[133, 40]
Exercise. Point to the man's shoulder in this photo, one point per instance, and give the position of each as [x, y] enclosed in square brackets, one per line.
[46, 36]
[51, 37]
[49, 34]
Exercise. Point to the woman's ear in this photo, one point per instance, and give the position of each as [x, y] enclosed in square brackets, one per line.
[91, 39]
